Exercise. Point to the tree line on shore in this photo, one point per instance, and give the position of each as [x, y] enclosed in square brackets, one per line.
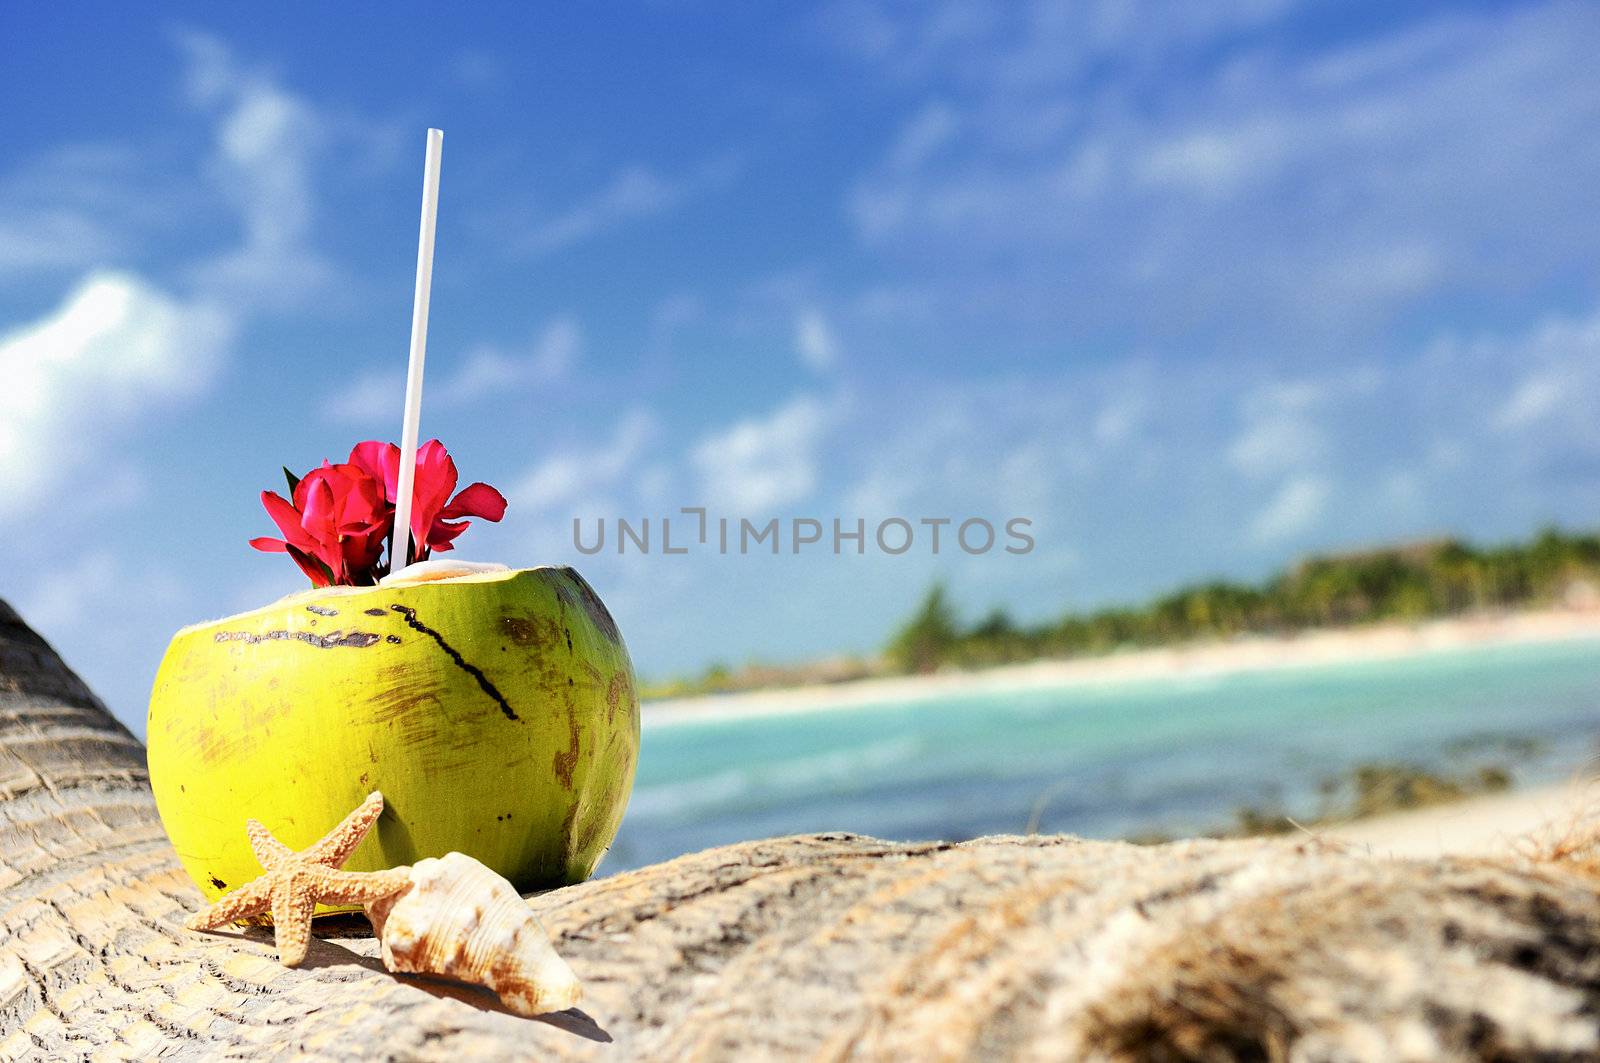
[1411, 581]
[1440, 577]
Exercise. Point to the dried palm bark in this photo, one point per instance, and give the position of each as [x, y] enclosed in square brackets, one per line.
[826, 947]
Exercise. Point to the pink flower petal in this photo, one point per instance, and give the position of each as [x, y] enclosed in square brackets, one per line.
[381, 461]
[319, 573]
[442, 534]
[435, 480]
[286, 517]
[317, 515]
[476, 500]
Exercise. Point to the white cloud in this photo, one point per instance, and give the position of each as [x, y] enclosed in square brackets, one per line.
[1297, 195]
[1025, 481]
[486, 370]
[79, 207]
[52, 238]
[1296, 507]
[933, 128]
[1216, 163]
[83, 206]
[564, 477]
[1533, 400]
[489, 370]
[635, 192]
[972, 447]
[114, 349]
[369, 398]
[1025, 45]
[763, 463]
[815, 341]
[476, 70]
[119, 346]
[1120, 418]
[266, 140]
[1281, 432]
[557, 349]
[1538, 388]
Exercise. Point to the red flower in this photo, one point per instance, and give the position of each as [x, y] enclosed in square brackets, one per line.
[341, 515]
[436, 478]
[430, 510]
[335, 527]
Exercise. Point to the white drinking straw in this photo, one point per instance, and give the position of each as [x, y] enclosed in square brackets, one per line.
[419, 350]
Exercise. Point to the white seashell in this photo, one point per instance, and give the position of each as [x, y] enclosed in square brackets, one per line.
[461, 920]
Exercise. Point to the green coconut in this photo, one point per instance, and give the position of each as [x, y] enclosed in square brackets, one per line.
[497, 712]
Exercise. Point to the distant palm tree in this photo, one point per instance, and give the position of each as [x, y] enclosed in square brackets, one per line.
[927, 640]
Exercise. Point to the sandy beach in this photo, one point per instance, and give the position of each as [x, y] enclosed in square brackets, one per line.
[1492, 824]
[1254, 653]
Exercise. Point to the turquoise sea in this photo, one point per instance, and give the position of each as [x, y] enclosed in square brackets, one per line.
[1174, 755]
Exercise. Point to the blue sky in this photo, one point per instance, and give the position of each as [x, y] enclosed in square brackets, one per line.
[1195, 287]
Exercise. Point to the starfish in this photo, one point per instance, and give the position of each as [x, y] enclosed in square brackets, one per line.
[295, 883]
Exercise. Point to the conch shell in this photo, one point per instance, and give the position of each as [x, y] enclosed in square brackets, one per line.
[461, 920]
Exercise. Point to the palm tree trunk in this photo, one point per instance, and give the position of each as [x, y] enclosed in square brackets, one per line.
[825, 946]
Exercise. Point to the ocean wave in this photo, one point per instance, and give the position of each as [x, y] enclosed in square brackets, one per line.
[737, 787]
